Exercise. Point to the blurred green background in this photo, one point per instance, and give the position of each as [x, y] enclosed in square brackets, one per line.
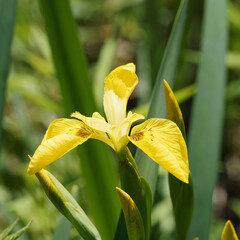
[112, 33]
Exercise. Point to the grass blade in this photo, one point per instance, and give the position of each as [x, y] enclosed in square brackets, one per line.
[181, 193]
[7, 230]
[103, 67]
[206, 121]
[97, 166]
[147, 167]
[18, 234]
[7, 18]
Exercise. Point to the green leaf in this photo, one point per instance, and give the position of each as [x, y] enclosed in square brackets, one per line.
[181, 193]
[182, 200]
[181, 95]
[67, 205]
[64, 226]
[206, 119]
[7, 16]
[18, 234]
[5, 234]
[6, 231]
[147, 167]
[96, 161]
[103, 68]
[68, 56]
[138, 189]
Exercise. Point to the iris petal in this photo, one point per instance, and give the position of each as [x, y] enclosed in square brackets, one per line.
[119, 85]
[62, 126]
[54, 148]
[62, 136]
[162, 141]
[119, 133]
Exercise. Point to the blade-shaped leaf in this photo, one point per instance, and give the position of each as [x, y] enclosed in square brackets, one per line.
[67, 205]
[147, 167]
[63, 229]
[7, 18]
[138, 189]
[5, 234]
[103, 68]
[206, 119]
[97, 166]
[7, 230]
[18, 234]
[181, 193]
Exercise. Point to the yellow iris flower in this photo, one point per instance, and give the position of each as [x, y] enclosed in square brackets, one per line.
[160, 139]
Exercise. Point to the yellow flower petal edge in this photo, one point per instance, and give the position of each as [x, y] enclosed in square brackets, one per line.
[119, 85]
[229, 232]
[162, 141]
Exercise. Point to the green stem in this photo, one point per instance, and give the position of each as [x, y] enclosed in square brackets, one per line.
[137, 188]
[125, 157]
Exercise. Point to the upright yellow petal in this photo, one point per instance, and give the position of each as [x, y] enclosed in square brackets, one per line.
[229, 232]
[119, 134]
[52, 149]
[119, 85]
[162, 141]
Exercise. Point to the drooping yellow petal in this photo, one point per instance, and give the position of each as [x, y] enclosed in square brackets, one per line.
[62, 136]
[62, 126]
[119, 85]
[96, 121]
[229, 232]
[162, 141]
[54, 148]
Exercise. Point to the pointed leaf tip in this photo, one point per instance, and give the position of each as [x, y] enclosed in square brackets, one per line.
[173, 110]
[133, 218]
[229, 232]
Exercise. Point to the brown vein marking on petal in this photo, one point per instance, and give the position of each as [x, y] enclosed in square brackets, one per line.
[84, 133]
[137, 136]
[146, 133]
